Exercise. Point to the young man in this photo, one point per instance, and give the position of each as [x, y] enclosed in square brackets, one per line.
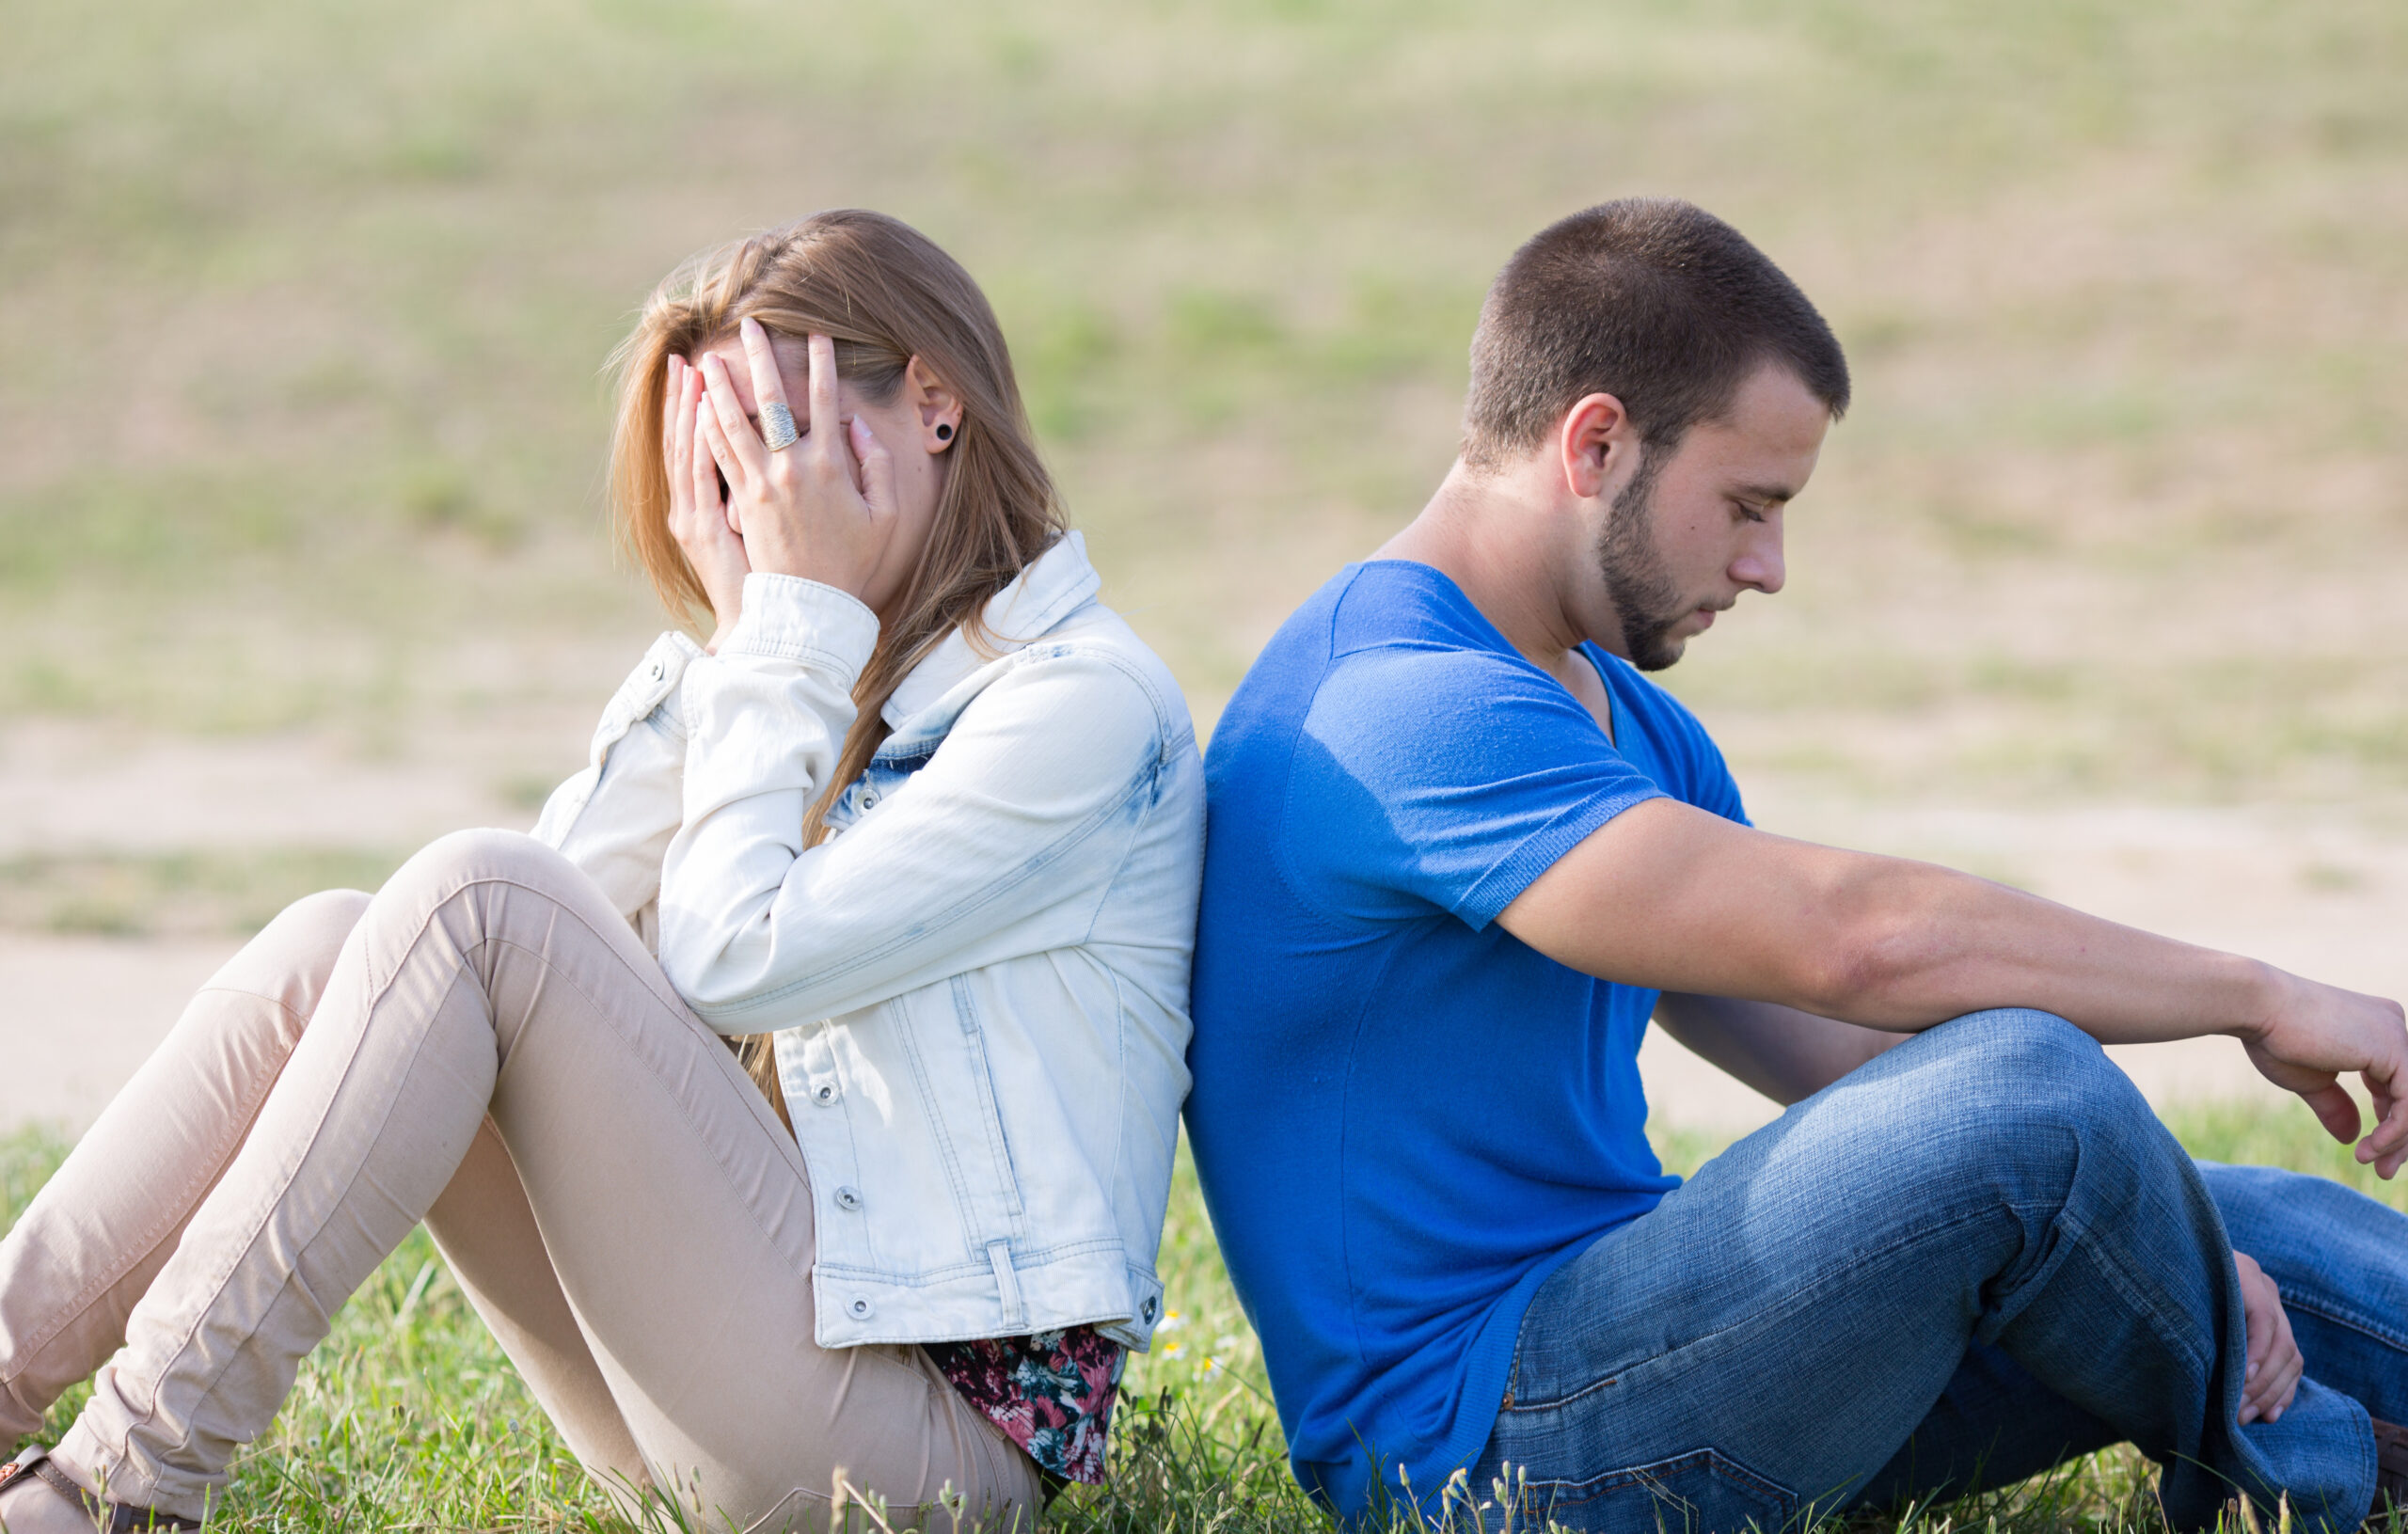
[1460, 851]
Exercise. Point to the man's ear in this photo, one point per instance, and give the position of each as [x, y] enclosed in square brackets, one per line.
[1598, 446]
[937, 407]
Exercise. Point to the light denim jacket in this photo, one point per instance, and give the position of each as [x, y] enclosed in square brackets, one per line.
[978, 982]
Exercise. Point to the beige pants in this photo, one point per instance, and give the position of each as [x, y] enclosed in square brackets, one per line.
[484, 1046]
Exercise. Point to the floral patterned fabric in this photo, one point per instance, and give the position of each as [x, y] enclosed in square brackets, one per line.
[1052, 1393]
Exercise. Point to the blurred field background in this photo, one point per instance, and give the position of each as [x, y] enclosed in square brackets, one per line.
[303, 310]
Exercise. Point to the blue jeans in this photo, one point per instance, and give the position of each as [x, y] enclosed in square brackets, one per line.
[1976, 1256]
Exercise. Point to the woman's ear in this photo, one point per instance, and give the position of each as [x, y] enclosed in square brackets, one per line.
[938, 409]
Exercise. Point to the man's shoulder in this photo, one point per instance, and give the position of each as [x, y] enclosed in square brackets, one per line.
[1384, 628]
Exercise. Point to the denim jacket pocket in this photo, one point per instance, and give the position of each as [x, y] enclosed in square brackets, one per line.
[1702, 1491]
[957, 1091]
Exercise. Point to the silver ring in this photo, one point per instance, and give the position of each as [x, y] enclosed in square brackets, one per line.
[777, 427]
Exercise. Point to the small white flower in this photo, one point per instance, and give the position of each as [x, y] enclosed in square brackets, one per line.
[1172, 1349]
[1172, 1320]
[1226, 1340]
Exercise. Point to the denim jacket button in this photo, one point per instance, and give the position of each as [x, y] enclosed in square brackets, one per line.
[869, 799]
[656, 671]
[859, 1309]
[824, 1094]
[848, 1199]
[1146, 1311]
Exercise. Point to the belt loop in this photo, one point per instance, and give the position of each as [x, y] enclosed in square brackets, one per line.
[999, 1257]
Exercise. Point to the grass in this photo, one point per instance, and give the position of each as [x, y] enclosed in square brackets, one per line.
[408, 1416]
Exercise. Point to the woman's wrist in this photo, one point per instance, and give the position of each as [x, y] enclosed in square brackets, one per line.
[796, 617]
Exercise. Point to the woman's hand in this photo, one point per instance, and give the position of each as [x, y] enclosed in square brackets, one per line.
[2271, 1375]
[697, 518]
[822, 508]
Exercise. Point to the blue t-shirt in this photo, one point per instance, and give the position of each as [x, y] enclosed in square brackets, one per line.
[1404, 1117]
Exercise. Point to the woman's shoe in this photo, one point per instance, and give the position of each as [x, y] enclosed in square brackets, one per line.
[36, 1497]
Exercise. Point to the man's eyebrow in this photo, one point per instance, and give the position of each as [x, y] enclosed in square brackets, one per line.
[1764, 492]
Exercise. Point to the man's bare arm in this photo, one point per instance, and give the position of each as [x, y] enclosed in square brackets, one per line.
[1671, 898]
[1786, 1054]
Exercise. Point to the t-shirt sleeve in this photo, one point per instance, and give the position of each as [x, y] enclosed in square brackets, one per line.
[1443, 778]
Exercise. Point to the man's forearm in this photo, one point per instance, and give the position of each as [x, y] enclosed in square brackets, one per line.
[1924, 943]
[1670, 897]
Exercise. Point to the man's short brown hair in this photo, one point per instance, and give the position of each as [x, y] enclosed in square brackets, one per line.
[1653, 301]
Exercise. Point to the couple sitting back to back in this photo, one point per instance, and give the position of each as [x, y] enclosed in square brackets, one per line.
[797, 1104]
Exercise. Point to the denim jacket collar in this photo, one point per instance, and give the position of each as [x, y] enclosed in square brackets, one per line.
[1056, 584]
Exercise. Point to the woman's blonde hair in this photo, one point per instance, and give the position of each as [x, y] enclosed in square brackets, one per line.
[885, 294]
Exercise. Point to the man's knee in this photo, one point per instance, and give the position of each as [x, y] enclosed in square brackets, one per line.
[2015, 1078]
[2019, 1054]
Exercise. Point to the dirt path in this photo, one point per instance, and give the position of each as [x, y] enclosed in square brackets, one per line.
[78, 1014]
[2326, 894]
[81, 1015]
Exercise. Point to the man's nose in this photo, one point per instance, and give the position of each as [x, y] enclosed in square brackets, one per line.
[1760, 565]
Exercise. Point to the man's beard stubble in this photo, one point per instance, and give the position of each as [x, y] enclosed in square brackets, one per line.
[1643, 590]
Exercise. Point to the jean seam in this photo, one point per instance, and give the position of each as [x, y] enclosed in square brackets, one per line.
[2175, 1341]
[1714, 1460]
[1785, 1305]
[2363, 1328]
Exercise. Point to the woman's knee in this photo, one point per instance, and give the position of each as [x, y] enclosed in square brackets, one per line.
[454, 861]
[318, 922]
[493, 884]
[290, 959]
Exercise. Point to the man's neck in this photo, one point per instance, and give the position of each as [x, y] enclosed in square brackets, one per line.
[1497, 540]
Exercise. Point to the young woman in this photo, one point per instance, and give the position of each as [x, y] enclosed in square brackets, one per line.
[923, 823]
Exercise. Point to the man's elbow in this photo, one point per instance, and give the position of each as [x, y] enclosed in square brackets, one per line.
[1870, 967]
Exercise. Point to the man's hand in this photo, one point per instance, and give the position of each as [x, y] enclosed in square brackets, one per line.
[2316, 1034]
[2272, 1378]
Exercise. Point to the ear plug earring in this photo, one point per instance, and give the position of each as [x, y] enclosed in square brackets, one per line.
[944, 431]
